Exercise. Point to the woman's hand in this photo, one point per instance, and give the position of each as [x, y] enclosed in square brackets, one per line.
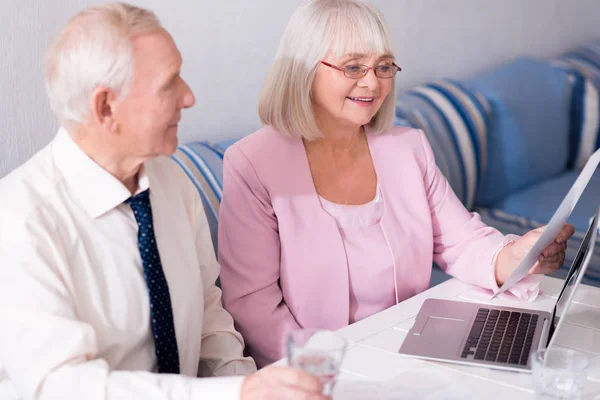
[551, 259]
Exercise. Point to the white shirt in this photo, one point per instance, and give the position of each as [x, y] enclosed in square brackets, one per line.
[74, 307]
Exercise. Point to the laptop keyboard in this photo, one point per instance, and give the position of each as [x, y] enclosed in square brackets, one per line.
[501, 336]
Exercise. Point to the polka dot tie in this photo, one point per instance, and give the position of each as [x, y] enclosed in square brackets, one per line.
[158, 288]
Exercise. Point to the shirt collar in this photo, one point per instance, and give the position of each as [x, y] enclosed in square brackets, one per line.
[97, 189]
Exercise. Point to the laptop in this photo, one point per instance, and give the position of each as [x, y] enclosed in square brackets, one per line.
[494, 336]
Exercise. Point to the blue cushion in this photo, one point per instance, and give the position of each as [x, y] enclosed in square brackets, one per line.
[539, 201]
[438, 276]
[455, 120]
[529, 125]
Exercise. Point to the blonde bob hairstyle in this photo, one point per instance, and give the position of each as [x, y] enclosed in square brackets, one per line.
[316, 29]
[93, 49]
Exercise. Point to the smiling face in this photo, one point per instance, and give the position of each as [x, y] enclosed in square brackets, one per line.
[303, 97]
[340, 102]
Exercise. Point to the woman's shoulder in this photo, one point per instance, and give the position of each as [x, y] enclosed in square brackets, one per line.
[400, 139]
[401, 134]
[266, 142]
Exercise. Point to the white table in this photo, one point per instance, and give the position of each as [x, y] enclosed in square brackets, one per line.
[373, 369]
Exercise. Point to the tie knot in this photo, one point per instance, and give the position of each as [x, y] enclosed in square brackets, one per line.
[140, 198]
[140, 201]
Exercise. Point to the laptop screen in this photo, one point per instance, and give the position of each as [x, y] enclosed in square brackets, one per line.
[571, 280]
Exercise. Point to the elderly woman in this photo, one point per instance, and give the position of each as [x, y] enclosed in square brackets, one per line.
[330, 214]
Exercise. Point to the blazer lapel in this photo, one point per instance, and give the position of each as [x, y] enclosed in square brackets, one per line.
[400, 218]
[316, 255]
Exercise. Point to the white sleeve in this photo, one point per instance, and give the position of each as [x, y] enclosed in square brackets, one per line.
[48, 353]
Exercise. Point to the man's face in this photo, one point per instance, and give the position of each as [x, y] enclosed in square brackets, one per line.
[148, 115]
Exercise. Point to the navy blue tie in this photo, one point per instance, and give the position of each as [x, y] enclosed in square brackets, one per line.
[158, 288]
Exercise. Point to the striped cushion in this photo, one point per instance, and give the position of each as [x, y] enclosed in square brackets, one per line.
[583, 65]
[203, 164]
[586, 60]
[455, 120]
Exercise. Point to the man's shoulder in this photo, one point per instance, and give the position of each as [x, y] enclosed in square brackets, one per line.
[34, 179]
[28, 190]
[166, 169]
[169, 176]
[164, 166]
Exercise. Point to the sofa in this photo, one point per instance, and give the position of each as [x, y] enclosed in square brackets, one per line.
[511, 142]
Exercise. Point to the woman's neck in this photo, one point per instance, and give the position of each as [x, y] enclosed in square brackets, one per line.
[338, 142]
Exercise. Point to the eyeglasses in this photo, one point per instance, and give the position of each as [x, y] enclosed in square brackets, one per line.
[357, 71]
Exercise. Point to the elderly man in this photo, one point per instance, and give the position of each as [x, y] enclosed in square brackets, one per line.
[107, 271]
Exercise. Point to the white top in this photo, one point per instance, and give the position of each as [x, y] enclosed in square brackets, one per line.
[370, 261]
[74, 307]
[356, 216]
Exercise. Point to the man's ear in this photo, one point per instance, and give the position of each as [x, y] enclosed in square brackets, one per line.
[102, 106]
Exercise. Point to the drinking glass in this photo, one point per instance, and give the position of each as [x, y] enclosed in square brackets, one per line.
[318, 352]
[559, 373]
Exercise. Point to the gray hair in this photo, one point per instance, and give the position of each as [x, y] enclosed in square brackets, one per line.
[92, 50]
[317, 28]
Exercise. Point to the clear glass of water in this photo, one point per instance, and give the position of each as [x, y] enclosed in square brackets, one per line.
[559, 373]
[318, 352]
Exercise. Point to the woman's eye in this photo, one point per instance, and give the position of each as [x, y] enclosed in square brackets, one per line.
[353, 68]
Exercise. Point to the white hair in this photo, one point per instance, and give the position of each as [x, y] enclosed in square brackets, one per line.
[317, 28]
[93, 50]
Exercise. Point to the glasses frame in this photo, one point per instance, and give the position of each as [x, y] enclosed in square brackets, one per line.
[366, 69]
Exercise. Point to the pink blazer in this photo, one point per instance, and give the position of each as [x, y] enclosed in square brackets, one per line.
[282, 256]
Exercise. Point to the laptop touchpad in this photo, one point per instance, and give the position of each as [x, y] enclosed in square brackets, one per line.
[452, 330]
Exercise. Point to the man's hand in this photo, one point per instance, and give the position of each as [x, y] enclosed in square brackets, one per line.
[282, 383]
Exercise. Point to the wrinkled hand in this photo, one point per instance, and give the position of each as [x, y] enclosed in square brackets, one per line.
[282, 383]
[551, 259]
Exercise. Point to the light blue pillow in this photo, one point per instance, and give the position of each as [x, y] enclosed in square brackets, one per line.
[528, 133]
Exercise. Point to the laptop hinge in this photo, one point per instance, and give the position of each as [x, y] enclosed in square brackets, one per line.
[544, 339]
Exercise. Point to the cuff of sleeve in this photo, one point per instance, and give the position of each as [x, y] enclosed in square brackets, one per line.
[508, 239]
[222, 388]
[524, 291]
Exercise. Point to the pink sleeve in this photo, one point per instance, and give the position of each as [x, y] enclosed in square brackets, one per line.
[249, 254]
[463, 246]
